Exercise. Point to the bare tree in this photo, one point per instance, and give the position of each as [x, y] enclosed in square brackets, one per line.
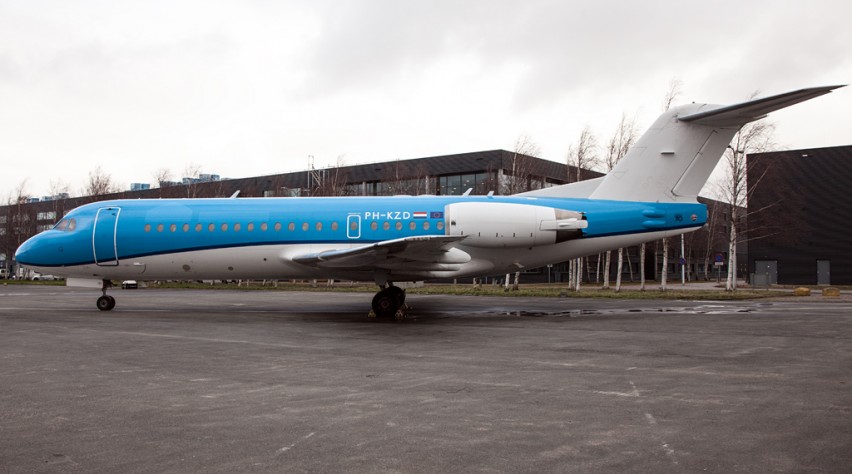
[520, 179]
[329, 181]
[672, 94]
[163, 177]
[99, 183]
[582, 156]
[19, 223]
[754, 137]
[619, 144]
[521, 173]
[59, 191]
[190, 179]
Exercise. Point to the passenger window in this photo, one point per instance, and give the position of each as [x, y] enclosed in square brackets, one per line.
[173, 227]
[374, 225]
[305, 226]
[425, 225]
[319, 226]
[211, 227]
[250, 226]
[277, 226]
[440, 225]
[224, 227]
[398, 225]
[186, 227]
[237, 227]
[160, 227]
[263, 227]
[291, 227]
[147, 227]
[198, 227]
[386, 225]
[334, 226]
[412, 225]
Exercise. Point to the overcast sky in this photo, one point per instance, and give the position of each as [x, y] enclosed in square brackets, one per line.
[243, 88]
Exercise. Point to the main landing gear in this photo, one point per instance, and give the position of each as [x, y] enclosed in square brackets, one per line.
[106, 302]
[389, 302]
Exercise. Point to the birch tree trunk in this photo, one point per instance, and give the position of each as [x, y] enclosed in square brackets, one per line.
[618, 269]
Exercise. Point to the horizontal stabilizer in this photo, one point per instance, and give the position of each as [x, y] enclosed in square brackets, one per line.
[740, 114]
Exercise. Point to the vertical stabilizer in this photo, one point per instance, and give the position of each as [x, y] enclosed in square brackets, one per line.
[672, 161]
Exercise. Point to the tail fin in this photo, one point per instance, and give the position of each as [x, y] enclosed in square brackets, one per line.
[674, 158]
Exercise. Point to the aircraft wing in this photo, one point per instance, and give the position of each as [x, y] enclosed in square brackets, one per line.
[424, 252]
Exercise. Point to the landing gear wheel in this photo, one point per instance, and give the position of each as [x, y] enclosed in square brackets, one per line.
[386, 303]
[398, 293]
[106, 303]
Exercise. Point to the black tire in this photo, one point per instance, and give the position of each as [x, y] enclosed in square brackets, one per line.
[106, 303]
[385, 304]
[397, 293]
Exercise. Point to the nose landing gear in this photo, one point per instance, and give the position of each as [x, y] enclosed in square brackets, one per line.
[106, 302]
[389, 302]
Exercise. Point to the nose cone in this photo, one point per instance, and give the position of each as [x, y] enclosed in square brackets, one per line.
[29, 252]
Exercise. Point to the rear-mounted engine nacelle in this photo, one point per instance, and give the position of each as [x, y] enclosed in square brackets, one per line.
[512, 225]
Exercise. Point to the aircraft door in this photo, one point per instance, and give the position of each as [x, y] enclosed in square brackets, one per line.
[103, 236]
[353, 226]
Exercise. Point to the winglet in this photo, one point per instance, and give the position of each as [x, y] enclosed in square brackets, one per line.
[740, 114]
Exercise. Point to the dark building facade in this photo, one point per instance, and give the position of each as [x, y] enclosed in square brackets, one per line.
[800, 206]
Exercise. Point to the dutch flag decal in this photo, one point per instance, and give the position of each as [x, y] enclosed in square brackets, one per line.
[420, 215]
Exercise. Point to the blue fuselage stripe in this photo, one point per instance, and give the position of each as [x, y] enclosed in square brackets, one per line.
[156, 227]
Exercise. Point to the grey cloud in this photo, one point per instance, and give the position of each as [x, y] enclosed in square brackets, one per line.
[562, 45]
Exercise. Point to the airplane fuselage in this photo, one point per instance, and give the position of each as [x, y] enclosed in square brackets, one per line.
[262, 238]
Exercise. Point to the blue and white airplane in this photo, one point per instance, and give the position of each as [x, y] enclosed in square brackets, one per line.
[649, 195]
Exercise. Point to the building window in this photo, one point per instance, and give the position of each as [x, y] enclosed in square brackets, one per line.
[455, 185]
[47, 215]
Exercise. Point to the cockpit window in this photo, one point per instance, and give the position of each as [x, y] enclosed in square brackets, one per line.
[66, 225]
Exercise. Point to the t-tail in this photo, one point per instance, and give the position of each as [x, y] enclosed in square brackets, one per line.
[672, 161]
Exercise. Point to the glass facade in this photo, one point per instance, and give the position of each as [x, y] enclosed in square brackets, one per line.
[457, 184]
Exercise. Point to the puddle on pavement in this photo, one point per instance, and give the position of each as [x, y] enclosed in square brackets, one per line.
[574, 313]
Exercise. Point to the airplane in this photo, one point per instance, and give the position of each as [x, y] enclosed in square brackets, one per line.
[649, 195]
